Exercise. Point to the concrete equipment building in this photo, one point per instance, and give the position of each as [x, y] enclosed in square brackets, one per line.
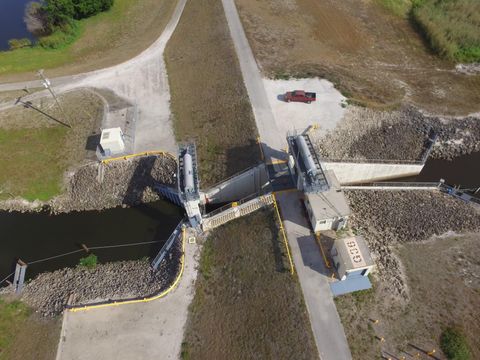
[353, 263]
[111, 141]
[324, 199]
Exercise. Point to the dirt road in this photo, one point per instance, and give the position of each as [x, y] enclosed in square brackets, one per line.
[142, 81]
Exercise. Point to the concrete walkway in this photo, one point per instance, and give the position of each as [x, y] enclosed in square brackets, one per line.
[273, 140]
[152, 330]
[327, 327]
[141, 80]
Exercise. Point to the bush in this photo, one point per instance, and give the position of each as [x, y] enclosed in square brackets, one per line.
[454, 344]
[19, 43]
[62, 36]
[89, 262]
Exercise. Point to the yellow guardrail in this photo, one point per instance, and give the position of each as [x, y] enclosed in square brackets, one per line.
[145, 153]
[282, 229]
[147, 299]
[319, 242]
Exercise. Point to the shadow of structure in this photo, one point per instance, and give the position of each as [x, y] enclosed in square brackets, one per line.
[311, 255]
[141, 180]
[92, 141]
[242, 157]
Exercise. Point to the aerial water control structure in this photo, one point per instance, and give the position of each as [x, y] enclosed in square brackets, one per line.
[324, 200]
[188, 183]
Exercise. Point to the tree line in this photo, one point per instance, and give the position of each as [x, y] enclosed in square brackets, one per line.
[61, 12]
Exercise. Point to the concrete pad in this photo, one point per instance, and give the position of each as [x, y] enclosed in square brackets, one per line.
[314, 280]
[327, 111]
[152, 330]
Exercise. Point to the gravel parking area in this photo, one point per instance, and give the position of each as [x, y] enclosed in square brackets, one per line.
[325, 112]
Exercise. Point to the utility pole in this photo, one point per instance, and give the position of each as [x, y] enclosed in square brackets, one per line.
[46, 83]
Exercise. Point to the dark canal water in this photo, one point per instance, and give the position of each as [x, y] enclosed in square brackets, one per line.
[37, 236]
[11, 21]
[464, 171]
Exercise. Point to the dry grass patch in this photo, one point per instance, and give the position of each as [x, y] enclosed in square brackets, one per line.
[375, 57]
[246, 304]
[35, 150]
[24, 335]
[209, 100]
[442, 276]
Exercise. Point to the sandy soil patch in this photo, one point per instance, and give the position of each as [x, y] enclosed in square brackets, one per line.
[375, 57]
[325, 112]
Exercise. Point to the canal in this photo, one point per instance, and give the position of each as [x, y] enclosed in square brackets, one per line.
[463, 170]
[33, 236]
[12, 24]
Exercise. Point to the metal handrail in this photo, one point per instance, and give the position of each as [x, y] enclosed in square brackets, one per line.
[372, 161]
[230, 205]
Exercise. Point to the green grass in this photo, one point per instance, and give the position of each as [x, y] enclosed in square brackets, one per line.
[452, 27]
[89, 261]
[31, 162]
[398, 7]
[127, 28]
[12, 315]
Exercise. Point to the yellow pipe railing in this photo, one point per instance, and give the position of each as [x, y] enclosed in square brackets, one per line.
[155, 297]
[146, 153]
[282, 229]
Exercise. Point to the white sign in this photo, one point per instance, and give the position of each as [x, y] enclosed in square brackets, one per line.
[354, 253]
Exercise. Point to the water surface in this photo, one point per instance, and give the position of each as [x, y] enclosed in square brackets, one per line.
[36, 236]
[12, 25]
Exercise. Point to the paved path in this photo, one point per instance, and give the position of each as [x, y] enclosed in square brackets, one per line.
[142, 81]
[152, 330]
[327, 327]
[273, 140]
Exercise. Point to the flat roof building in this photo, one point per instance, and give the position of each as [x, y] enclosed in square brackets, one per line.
[328, 210]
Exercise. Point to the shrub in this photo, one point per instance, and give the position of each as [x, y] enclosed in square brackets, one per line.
[89, 262]
[454, 344]
[64, 35]
[19, 43]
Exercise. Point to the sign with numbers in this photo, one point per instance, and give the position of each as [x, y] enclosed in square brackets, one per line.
[354, 252]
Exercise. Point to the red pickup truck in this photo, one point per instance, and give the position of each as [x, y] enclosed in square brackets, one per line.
[300, 96]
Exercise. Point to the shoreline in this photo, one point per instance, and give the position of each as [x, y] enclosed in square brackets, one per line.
[48, 293]
[125, 183]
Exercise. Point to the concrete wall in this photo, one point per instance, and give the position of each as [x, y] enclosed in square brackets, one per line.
[355, 173]
[238, 187]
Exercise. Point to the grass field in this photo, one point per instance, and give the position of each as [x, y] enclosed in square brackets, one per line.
[444, 292]
[103, 40]
[373, 55]
[24, 335]
[35, 151]
[209, 100]
[246, 304]
[451, 27]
